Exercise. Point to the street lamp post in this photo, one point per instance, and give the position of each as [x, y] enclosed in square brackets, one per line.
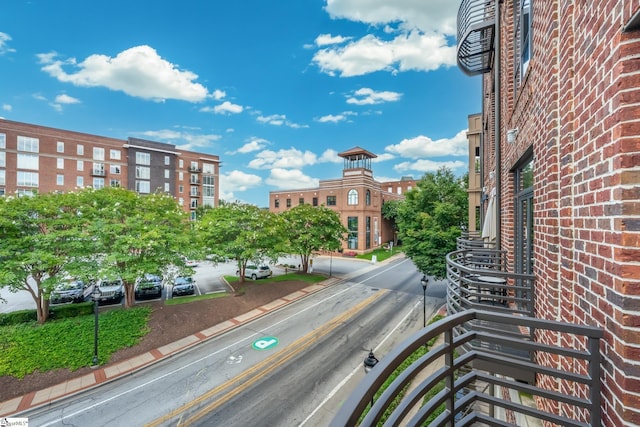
[95, 295]
[369, 362]
[424, 282]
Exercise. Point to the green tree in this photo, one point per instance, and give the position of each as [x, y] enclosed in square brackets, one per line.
[311, 229]
[38, 235]
[242, 232]
[133, 235]
[429, 220]
[390, 210]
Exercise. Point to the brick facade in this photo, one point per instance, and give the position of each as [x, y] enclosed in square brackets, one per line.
[577, 114]
[45, 159]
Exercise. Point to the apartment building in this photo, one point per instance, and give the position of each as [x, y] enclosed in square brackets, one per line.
[356, 196]
[561, 157]
[34, 157]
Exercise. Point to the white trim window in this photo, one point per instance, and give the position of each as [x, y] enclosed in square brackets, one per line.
[26, 143]
[352, 197]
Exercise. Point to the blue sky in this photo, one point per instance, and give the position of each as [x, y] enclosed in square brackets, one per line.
[276, 88]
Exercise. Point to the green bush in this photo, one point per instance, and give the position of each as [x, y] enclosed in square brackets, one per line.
[70, 310]
[17, 317]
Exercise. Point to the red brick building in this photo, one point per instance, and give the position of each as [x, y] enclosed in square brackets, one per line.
[561, 149]
[45, 159]
[357, 197]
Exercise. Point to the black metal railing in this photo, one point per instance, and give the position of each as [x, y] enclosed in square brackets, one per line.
[476, 33]
[470, 395]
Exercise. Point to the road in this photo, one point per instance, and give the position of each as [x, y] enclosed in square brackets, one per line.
[292, 367]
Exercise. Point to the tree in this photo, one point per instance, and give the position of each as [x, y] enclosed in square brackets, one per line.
[430, 220]
[242, 232]
[38, 235]
[390, 213]
[133, 235]
[311, 229]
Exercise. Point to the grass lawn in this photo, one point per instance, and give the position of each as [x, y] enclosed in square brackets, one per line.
[68, 343]
[380, 253]
[309, 278]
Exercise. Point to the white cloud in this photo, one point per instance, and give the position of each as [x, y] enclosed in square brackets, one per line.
[183, 140]
[327, 39]
[66, 99]
[411, 51]
[291, 158]
[225, 108]
[423, 146]
[279, 120]
[138, 71]
[236, 181]
[383, 158]
[290, 179]
[367, 96]
[432, 15]
[7, 107]
[330, 156]
[336, 118]
[218, 94]
[4, 47]
[256, 144]
[426, 165]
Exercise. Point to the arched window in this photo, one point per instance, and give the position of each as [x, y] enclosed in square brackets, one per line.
[352, 198]
[367, 198]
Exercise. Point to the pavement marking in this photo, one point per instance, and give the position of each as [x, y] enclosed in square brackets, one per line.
[255, 373]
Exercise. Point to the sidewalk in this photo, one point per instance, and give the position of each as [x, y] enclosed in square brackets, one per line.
[108, 373]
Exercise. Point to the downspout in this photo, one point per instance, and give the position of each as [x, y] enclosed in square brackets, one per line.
[497, 130]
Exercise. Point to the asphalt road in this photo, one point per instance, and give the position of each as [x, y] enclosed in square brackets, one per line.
[292, 367]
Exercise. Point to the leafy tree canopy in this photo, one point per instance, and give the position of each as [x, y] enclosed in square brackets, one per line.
[429, 220]
[311, 229]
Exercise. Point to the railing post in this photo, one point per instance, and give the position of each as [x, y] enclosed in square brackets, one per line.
[595, 386]
[450, 379]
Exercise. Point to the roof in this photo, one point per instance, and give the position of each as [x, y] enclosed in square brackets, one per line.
[355, 151]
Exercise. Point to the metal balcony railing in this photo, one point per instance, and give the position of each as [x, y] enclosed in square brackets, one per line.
[476, 34]
[469, 395]
[473, 240]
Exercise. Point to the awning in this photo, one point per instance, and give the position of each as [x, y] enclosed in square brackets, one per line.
[489, 226]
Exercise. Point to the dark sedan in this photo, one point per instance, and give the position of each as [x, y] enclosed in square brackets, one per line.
[184, 286]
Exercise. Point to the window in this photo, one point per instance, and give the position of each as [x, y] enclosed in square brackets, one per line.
[27, 179]
[98, 183]
[3, 159]
[399, 190]
[301, 201]
[194, 179]
[180, 188]
[194, 203]
[98, 169]
[80, 150]
[3, 177]
[208, 191]
[331, 200]
[288, 203]
[524, 226]
[98, 153]
[80, 165]
[28, 161]
[367, 232]
[3, 140]
[143, 158]
[60, 163]
[167, 188]
[276, 203]
[180, 176]
[60, 147]
[143, 172]
[194, 192]
[194, 166]
[167, 174]
[167, 160]
[315, 201]
[208, 168]
[80, 181]
[114, 169]
[523, 38]
[352, 197]
[143, 187]
[114, 154]
[367, 198]
[29, 144]
[114, 183]
[352, 227]
[208, 180]
[181, 163]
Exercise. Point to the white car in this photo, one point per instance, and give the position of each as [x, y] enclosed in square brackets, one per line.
[257, 272]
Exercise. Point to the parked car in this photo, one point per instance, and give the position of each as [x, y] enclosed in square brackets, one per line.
[111, 290]
[70, 291]
[256, 271]
[149, 286]
[184, 285]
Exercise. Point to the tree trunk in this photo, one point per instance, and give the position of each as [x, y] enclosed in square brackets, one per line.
[129, 295]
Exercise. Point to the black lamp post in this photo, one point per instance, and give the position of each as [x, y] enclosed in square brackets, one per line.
[369, 362]
[95, 295]
[424, 282]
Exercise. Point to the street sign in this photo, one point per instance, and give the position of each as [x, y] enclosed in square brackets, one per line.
[265, 343]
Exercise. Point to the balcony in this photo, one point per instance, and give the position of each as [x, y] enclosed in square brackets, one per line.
[194, 169]
[98, 172]
[490, 351]
[476, 36]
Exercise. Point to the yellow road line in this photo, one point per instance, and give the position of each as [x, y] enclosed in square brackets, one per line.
[250, 376]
